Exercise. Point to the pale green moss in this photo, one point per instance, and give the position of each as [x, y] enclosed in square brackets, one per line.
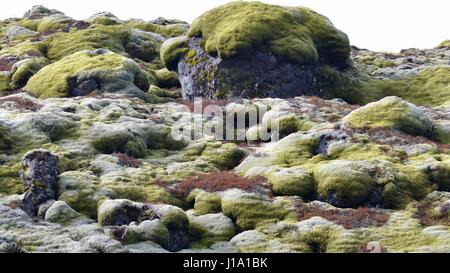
[205, 203]
[391, 113]
[120, 142]
[292, 182]
[224, 157]
[168, 31]
[4, 84]
[145, 194]
[440, 174]
[444, 44]
[25, 49]
[166, 78]
[61, 45]
[173, 50]
[250, 213]
[111, 71]
[10, 182]
[294, 150]
[295, 34]
[342, 184]
[431, 87]
[48, 23]
[25, 71]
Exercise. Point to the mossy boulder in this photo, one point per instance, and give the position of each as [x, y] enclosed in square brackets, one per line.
[104, 18]
[343, 184]
[204, 202]
[251, 49]
[48, 23]
[19, 32]
[391, 113]
[223, 156]
[60, 212]
[118, 212]
[444, 44]
[440, 174]
[165, 27]
[292, 182]
[166, 78]
[22, 71]
[249, 213]
[88, 71]
[148, 230]
[64, 44]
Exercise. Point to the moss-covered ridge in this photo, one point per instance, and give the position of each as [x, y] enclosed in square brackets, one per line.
[105, 71]
[297, 34]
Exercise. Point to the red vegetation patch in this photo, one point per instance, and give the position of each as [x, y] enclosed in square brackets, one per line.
[348, 218]
[22, 103]
[217, 181]
[5, 64]
[433, 214]
[127, 161]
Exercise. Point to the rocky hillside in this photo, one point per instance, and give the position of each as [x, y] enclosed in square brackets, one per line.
[88, 161]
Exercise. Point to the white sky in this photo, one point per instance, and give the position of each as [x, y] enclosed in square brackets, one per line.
[388, 25]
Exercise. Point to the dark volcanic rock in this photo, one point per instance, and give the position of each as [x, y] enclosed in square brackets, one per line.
[40, 173]
[257, 75]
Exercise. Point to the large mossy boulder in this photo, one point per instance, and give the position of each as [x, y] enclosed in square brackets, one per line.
[87, 71]
[251, 49]
[391, 113]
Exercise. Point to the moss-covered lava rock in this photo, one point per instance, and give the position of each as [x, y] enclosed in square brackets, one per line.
[87, 71]
[252, 49]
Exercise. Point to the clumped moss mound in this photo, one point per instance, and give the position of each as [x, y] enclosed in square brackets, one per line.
[102, 69]
[430, 87]
[391, 113]
[297, 35]
[168, 31]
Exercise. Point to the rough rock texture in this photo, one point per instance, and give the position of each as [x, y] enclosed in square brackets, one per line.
[97, 138]
[40, 174]
[276, 57]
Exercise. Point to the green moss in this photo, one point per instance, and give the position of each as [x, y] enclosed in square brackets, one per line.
[61, 45]
[163, 93]
[174, 218]
[24, 72]
[26, 49]
[166, 78]
[124, 143]
[173, 50]
[10, 182]
[444, 44]
[249, 213]
[47, 23]
[431, 87]
[440, 174]
[111, 71]
[318, 239]
[224, 157]
[168, 31]
[391, 113]
[342, 184]
[295, 34]
[205, 203]
[339, 84]
[292, 182]
[378, 62]
[4, 84]
[144, 194]
[294, 150]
